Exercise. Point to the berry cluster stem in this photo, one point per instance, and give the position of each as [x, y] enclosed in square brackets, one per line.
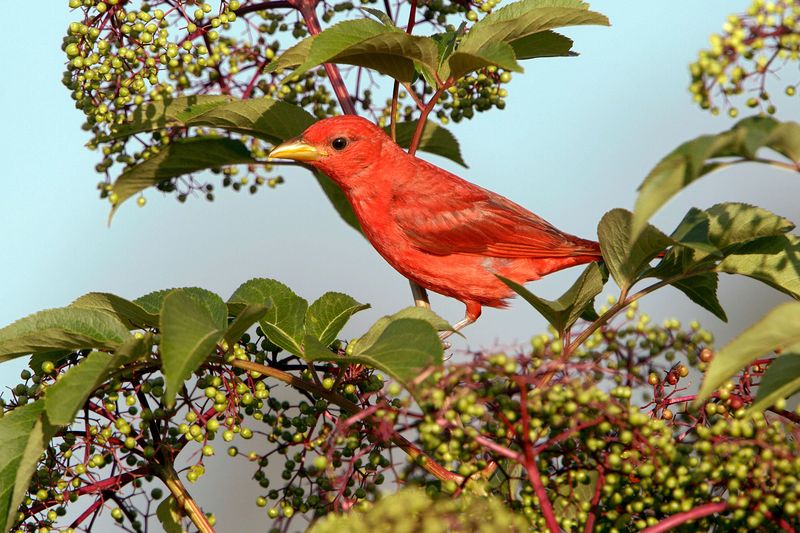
[185, 502]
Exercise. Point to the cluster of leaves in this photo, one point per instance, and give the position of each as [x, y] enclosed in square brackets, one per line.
[751, 48]
[121, 59]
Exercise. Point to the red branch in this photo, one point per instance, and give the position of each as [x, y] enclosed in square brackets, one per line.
[114, 483]
[307, 9]
[531, 466]
[598, 489]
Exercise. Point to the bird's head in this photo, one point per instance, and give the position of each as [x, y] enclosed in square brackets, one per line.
[341, 147]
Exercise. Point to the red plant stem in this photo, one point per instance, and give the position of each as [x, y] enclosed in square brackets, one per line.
[541, 494]
[679, 399]
[530, 463]
[564, 435]
[598, 489]
[785, 414]
[307, 9]
[499, 450]
[107, 484]
[411, 15]
[252, 83]
[423, 117]
[91, 509]
[681, 518]
[396, 88]
[785, 526]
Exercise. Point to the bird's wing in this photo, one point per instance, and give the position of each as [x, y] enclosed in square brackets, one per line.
[442, 214]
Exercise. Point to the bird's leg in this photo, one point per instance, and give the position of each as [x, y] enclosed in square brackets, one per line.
[473, 312]
[420, 295]
[466, 321]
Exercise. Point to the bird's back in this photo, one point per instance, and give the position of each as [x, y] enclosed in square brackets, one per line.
[444, 214]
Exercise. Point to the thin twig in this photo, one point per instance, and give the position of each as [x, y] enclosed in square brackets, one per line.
[244, 10]
[185, 502]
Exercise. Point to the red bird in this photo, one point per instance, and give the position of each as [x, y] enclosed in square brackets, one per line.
[438, 230]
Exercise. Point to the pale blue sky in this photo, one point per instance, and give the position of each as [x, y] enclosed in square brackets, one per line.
[575, 140]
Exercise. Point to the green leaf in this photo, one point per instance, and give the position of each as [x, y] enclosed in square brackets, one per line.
[151, 302]
[543, 44]
[245, 318]
[175, 112]
[380, 15]
[127, 312]
[68, 328]
[778, 329]
[493, 53]
[24, 434]
[326, 317]
[413, 312]
[366, 43]
[403, 348]
[779, 267]
[702, 290]
[781, 380]
[136, 347]
[66, 396]
[515, 23]
[192, 324]
[687, 266]
[292, 57]
[435, 140]
[698, 157]
[694, 232]
[446, 43]
[176, 159]
[735, 223]
[338, 200]
[169, 516]
[264, 118]
[284, 322]
[563, 313]
[628, 259]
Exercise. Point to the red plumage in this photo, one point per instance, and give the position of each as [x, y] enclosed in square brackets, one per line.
[438, 230]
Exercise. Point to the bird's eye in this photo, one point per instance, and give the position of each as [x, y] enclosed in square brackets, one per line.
[339, 143]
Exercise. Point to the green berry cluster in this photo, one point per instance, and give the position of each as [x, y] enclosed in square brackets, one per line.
[748, 52]
[480, 91]
[599, 454]
[438, 12]
[121, 55]
[413, 510]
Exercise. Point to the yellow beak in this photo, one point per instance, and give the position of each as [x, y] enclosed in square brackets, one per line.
[296, 150]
